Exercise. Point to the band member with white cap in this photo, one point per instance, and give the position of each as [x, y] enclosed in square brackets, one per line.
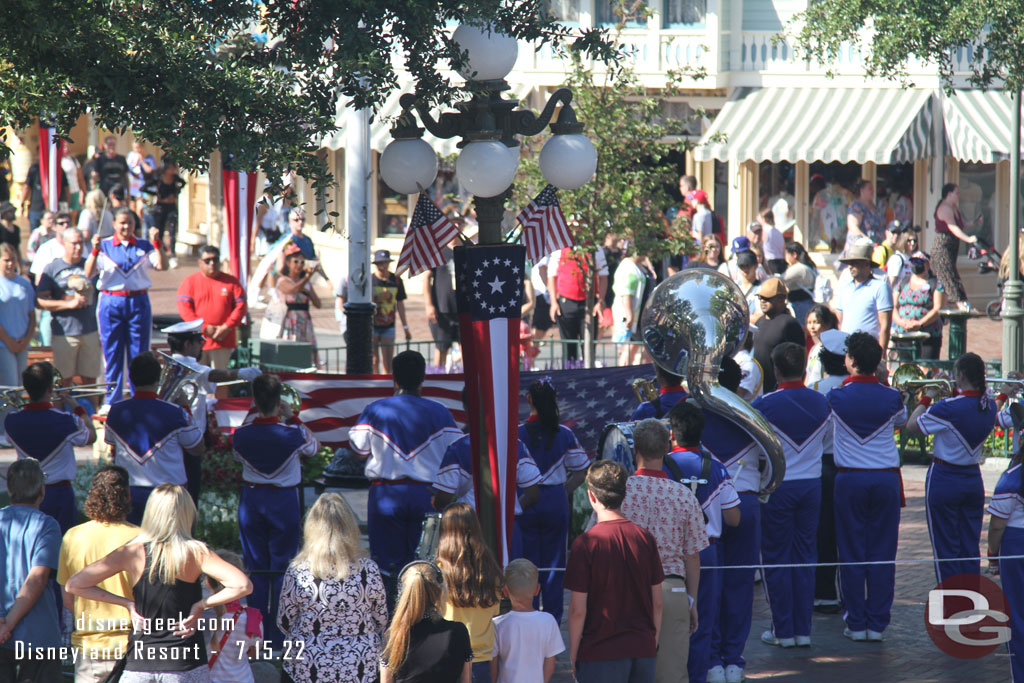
[150, 435]
[954, 490]
[832, 359]
[789, 520]
[186, 342]
[868, 492]
[404, 438]
[269, 512]
[42, 432]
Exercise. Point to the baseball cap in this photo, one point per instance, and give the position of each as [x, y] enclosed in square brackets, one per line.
[753, 226]
[700, 195]
[739, 244]
[381, 256]
[771, 288]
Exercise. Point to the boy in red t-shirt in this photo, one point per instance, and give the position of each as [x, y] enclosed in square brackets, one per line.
[614, 574]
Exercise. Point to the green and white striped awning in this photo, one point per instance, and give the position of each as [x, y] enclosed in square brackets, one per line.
[979, 125]
[380, 127]
[883, 125]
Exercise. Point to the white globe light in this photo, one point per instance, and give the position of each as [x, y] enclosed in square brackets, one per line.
[408, 166]
[568, 161]
[491, 54]
[486, 168]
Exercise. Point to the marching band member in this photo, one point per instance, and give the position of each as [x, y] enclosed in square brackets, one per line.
[789, 520]
[739, 545]
[186, 342]
[717, 497]
[670, 393]
[125, 317]
[269, 512]
[1006, 539]
[868, 487]
[150, 435]
[563, 465]
[832, 359]
[404, 437]
[41, 432]
[954, 491]
[454, 482]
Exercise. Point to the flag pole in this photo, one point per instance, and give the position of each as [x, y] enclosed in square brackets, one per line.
[358, 307]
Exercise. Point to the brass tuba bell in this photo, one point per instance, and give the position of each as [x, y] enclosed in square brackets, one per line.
[694, 319]
[645, 390]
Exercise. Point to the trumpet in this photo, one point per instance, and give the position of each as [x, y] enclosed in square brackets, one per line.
[78, 390]
[911, 379]
[645, 390]
[1011, 386]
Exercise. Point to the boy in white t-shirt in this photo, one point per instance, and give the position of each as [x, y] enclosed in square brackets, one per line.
[525, 640]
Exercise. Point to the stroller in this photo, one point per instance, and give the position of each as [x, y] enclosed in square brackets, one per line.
[988, 259]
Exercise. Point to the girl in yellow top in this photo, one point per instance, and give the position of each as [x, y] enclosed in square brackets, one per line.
[474, 581]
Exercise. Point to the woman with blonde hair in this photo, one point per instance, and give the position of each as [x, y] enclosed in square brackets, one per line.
[710, 255]
[92, 212]
[17, 318]
[421, 646]
[473, 580]
[164, 565]
[333, 608]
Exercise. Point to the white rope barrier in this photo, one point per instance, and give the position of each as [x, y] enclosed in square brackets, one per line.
[921, 560]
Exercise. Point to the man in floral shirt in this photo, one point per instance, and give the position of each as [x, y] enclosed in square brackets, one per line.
[671, 513]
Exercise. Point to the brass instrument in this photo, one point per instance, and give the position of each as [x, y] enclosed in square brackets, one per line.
[1011, 386]
[12, 399]
[178, 381]
[912, 379]
[694, 319]
[645, 390]
[291, 396]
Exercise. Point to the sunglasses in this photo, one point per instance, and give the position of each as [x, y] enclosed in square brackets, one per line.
[63, 222]
[209, 260]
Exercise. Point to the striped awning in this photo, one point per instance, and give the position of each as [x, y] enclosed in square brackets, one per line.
[979, 125]
[883, 125]
[380, 127]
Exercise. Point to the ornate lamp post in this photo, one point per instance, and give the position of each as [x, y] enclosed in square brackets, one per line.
[488, 125]
[1012, 313]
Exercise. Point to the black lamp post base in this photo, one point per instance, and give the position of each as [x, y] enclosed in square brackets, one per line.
[359, 338]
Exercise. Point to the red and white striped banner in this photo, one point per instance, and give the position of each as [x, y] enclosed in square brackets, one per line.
[239, 209]
[50, 175]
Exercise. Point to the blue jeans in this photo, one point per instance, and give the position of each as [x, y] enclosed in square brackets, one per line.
[640, 670]
[482, 672]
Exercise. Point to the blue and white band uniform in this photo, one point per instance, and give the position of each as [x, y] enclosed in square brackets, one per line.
[149, 436]
[41, 432]
[456, 473]
[404, 436]
[959, 427]
[801, 418]
[271, 451]
[954, 490]
[865, 415]
[735, 449]
[124, 266]
[1008, 503]
[556, 456]
[49, 436]
[823, 386]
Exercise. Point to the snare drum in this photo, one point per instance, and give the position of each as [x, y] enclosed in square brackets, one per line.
[616, 443]
[429, 537]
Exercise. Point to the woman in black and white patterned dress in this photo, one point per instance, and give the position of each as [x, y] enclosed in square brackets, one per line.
[333, 607]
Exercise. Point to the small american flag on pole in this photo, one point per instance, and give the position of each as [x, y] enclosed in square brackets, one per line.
[544, 227]
[428, 233]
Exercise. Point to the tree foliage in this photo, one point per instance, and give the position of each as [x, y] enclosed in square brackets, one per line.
[189, 77]
[891, 31]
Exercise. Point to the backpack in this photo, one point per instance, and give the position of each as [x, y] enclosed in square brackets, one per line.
[717, 227]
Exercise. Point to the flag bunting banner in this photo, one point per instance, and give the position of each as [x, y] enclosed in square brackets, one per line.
[239, 210]
[544, 228]
[51, 177]
[429, 232]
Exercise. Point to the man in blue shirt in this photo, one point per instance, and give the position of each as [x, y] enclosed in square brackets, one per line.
[30, 546]
[864, 303]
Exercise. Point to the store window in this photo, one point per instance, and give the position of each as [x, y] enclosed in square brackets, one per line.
[978, 200]
[611, 12]
[566, 11]
[394, 210]
[684, 13]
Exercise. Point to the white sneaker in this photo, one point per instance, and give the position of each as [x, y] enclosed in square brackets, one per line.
[769, 639]
[716, 674]
[856, 636]
[803, 641]
[733, 674]
[874, 636]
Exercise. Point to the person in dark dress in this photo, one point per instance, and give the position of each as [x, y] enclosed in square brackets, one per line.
[420, 645]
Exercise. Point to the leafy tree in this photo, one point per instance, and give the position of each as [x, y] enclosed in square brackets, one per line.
[636, 168]
[931, 30]
[189, 76]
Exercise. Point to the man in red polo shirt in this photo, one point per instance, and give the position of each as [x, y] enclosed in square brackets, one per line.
[670, 511]
[217, 298]
[567, 275]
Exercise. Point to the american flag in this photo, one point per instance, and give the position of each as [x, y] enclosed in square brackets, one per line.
[587, 399]
[239, 210]
[544, 227]
[429, 232]
[51, 176]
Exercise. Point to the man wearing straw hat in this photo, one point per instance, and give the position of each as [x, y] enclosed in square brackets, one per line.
[864, 303]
